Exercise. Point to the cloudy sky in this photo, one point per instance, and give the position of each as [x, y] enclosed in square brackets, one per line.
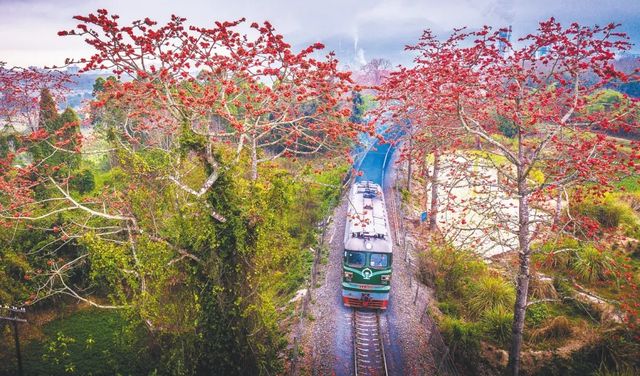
[356, 30]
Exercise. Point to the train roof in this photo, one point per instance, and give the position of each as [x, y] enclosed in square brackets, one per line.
[367, 227]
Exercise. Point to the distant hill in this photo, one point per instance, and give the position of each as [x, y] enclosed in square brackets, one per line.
[628, 64]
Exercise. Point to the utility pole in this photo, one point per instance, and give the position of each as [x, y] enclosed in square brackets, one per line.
[13, 317]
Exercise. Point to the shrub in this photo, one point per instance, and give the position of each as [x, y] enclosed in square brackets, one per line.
[84, 181]
[556, 254]
[555, 328]
[490, 292]
[607, 215]
[542, 288]
[449, 308]
[592, 264]
[614, 353]
[454, 268]
[427, 270]
[615, 211]
[462, 337]
[496, 323]
[537, 314]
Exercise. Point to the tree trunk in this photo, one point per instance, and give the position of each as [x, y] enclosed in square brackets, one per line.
[523, 277]
[427, 178]
[433, 213]
[409, 169]
[556, 217]
[254, 160]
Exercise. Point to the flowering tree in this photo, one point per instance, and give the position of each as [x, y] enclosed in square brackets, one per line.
[426, 131]
[249, 90]
[189, 104]
[542, 91]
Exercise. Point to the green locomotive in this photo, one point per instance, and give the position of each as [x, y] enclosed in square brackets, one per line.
[367, 259]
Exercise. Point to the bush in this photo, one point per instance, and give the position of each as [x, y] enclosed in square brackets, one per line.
[556, 328]
[454, 268]
[591, 264]
[557, 254]
[462, 337]
[449, 308]
[496, 323]
[615, 211]
[83, 182]
[537, 314]
[542, 288]
[427, 270]
[490, 292]
[564, 288]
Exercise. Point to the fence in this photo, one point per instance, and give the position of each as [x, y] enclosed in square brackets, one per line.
[438, 348]
[317, 255]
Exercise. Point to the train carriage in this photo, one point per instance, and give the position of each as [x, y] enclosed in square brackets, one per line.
[367, 258]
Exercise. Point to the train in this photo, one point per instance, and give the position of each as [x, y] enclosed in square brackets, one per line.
[368, 257]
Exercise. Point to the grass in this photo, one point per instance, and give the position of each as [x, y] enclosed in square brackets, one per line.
[88, 342]
[630, 184]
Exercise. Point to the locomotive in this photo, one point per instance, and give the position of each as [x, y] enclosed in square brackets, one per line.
[367, 258]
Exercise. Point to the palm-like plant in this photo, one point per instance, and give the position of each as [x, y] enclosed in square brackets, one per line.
[489, 293]
[591, 264]
[497, 324]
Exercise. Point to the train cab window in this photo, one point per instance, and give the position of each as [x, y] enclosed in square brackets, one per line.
[355, 259]
[379, 260]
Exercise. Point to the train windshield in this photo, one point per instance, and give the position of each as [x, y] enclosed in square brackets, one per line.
[355, 259]
[379, 260]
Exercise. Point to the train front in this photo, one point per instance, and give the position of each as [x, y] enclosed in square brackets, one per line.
[367, 257]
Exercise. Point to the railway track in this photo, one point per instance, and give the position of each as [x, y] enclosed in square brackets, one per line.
[368, 350]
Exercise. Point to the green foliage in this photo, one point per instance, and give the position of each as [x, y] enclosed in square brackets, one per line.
[58, 352]
[490, 293]
[537, 314]
[13, 268]
[88, 342]
[497, 322]
[357, 109]
[405, 195]
[99, 84]
[463, 338]
[614, 211]
[449, 308]
[506, 126]
[593, 264]
[475, 303]
[454, 269]
[84, 181]
[603, 100]
[557, 254]
[60, 148]
[629, 184]
[555, 328]
[9, 141]
[579, 259]
[48, 112]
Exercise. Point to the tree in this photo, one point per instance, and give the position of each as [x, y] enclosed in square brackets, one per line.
[180, 230]
[48, 112]
[426, 131]
[376, 70]
[545, 101]
[357, 110]
[21, 88]
[221, 86]
[58, 142]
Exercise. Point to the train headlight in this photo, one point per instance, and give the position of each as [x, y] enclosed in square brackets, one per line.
[348, 276]
[385, 278]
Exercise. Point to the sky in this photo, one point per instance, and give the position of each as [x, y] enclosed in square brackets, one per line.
[357, 31]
